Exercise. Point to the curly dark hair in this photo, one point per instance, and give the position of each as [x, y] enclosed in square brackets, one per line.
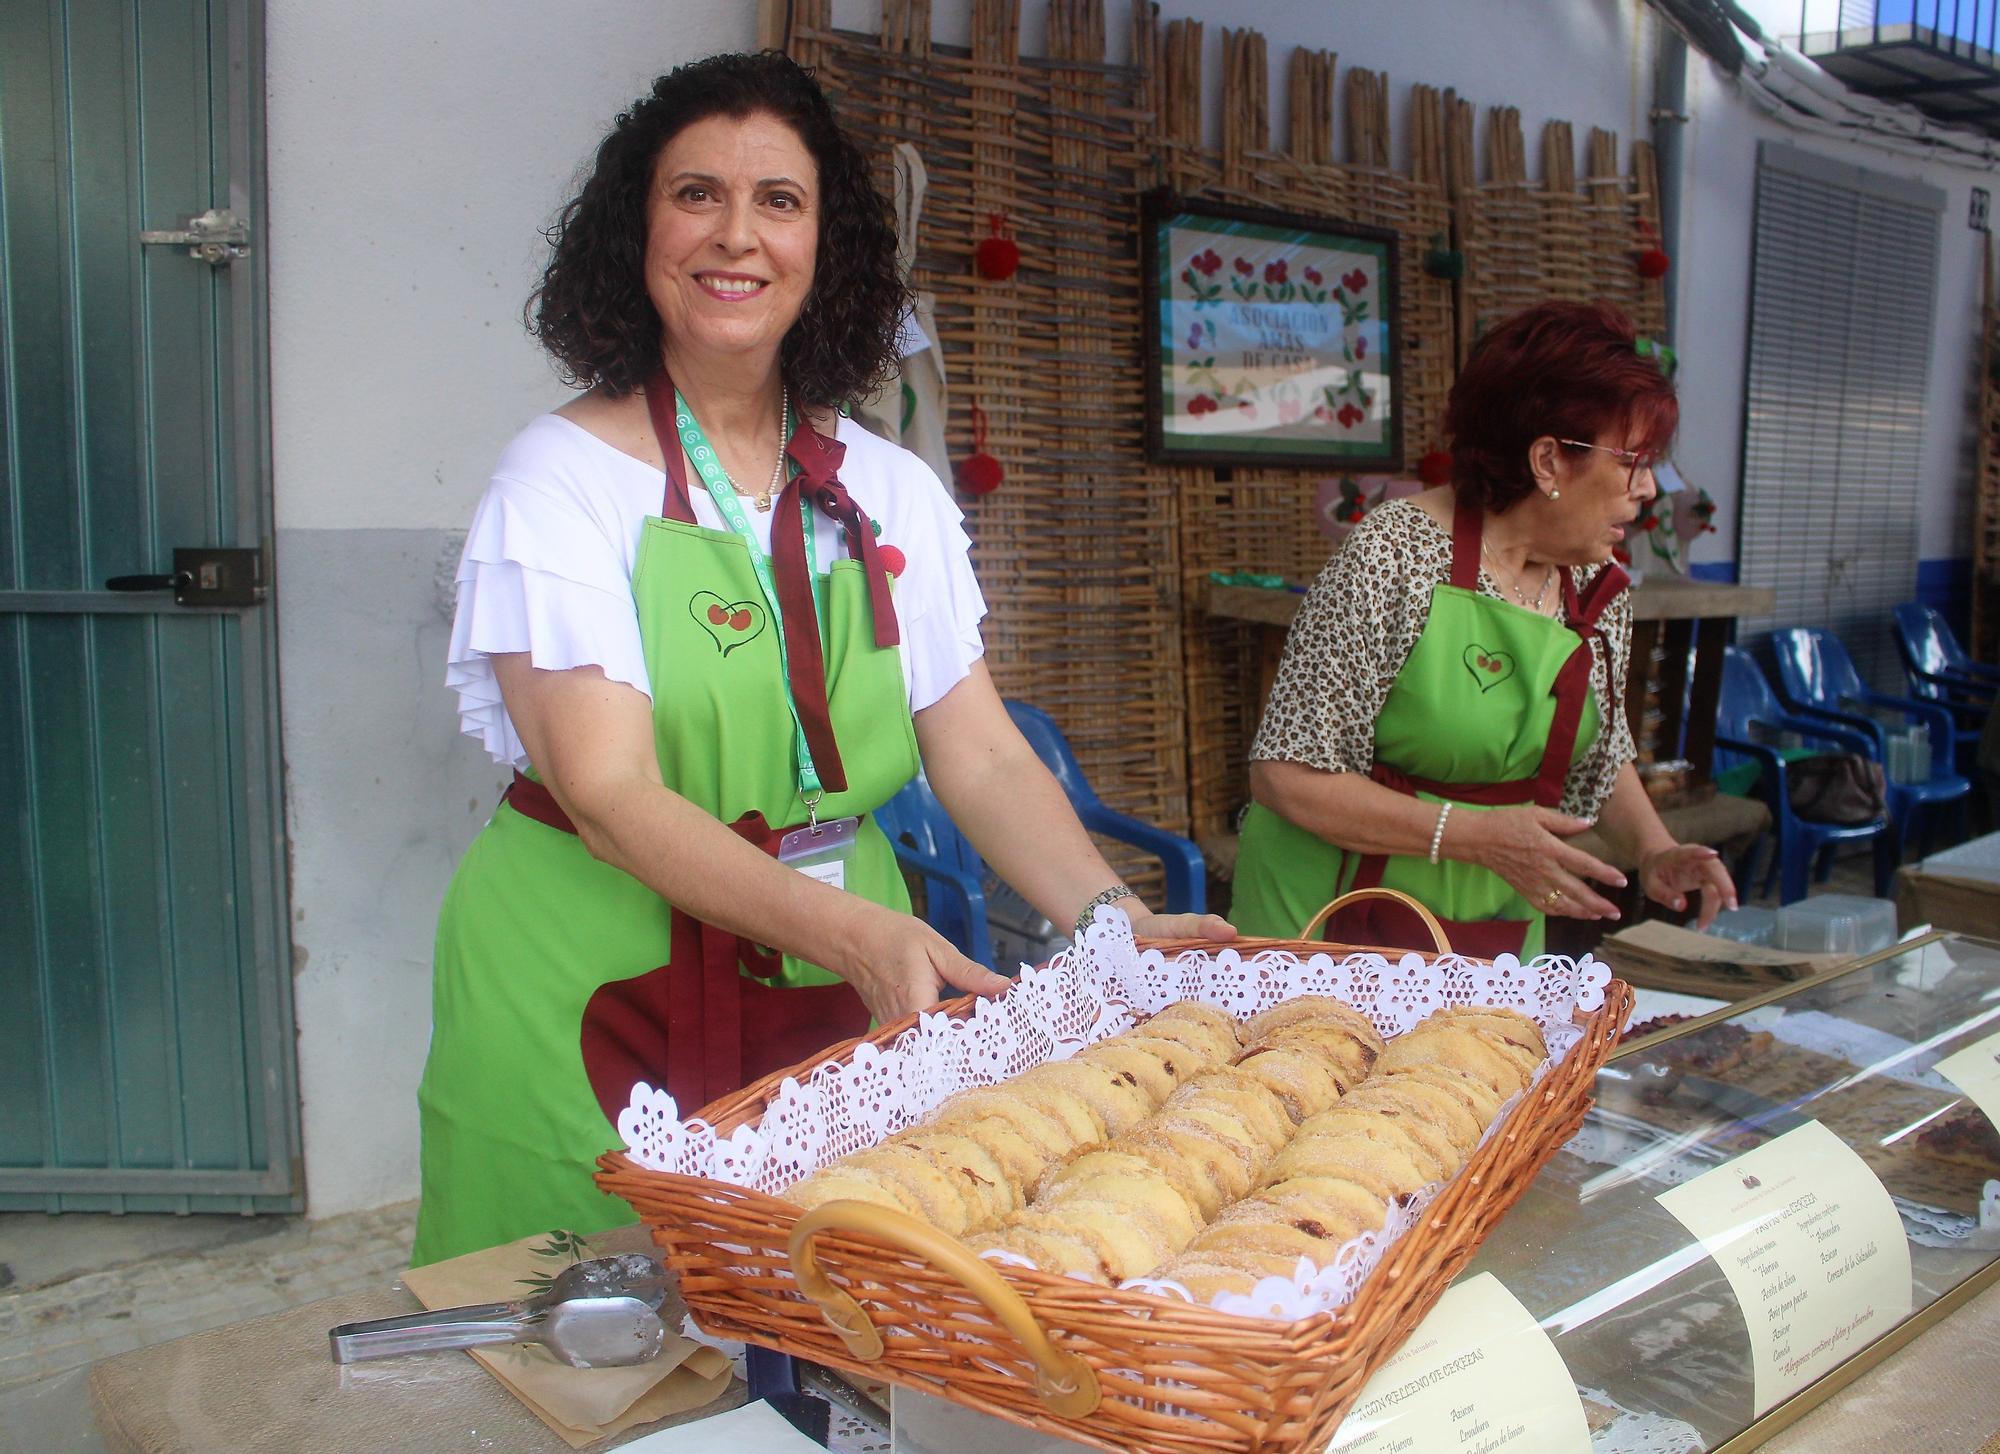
[1572, 370]
[591, 310]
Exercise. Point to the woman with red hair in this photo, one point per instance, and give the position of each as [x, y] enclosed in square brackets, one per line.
[1449, 710]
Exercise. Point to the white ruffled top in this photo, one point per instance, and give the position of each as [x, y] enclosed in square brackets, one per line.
[548, 562]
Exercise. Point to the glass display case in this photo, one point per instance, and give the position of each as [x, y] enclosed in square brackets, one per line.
[1765, 1201]
[1766, 1197]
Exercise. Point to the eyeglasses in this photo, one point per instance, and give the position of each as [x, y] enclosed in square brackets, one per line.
[1635, 460]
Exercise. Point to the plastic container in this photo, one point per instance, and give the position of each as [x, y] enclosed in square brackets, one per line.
[1746, 926]
[1837, 924]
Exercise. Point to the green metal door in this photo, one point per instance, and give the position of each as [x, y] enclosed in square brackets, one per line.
[145, 1011]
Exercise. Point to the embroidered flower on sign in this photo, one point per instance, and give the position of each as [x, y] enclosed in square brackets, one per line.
[1274, 272]
[1206, 262]
[1350, 416]
[1202, 404]
[1314, 276]
[1243, 267]
[1355, 281]
[1361, 346]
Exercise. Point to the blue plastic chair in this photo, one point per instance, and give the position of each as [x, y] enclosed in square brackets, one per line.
[1939, 671]
[1818, 680]
[928, 843]
[1802, 846]
[1187, 877]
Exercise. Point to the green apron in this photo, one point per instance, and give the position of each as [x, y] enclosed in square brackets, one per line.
[552, 980]
[1491, 709]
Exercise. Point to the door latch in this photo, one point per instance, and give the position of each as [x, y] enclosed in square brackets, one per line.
[218, 237]
[211, 576]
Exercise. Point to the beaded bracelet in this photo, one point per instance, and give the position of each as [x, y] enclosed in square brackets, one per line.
[1437, 833]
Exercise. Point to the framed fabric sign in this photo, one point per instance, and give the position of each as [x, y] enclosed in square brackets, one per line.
[1270, 338]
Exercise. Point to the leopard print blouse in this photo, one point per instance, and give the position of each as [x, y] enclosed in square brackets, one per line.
[1358, 625]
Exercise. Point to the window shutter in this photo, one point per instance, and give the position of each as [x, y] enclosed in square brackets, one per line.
[1842, 292]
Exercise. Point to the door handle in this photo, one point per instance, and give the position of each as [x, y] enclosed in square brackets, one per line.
[209, 576]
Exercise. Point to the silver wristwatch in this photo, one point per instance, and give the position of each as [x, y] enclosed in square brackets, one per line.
[1110, 896]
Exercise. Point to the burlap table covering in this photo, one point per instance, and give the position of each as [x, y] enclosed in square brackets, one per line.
[269, 1385]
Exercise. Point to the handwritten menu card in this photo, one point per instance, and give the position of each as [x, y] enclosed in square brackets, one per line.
[1812, 1247]
[1478, 1376]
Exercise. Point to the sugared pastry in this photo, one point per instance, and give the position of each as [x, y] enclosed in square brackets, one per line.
[1331, 1207]
[982, 1182]
[1205, 1168]
[1299, 1078]
[1049, 1251]
[1021, 1159]
[1206, 1280]
[1461, 1050]
[1510, 1027]
[1224, 1036]
[853, 1184]
[1157, 1073]
[1312, 1007]
[945, 1206]
[1478, 1098]
[1115, 1095]
[1345, 1052]
[1126, 1180]
[1429, 1147]
[1050, 1134]
[1253, 1104]
[1127, 1243]
[1442, 1111]
[1383, 1168]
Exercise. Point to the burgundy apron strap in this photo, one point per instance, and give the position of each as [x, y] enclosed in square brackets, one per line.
[1467, 520]
[674, 504]
[1572, 685]
[804, 659]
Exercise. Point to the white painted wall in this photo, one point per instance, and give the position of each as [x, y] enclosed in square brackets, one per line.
[415, 151]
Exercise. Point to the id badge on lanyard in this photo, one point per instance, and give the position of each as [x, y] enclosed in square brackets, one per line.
[818, 850]
[821, 850]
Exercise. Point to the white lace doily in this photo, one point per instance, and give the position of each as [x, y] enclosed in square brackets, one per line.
[1096, 988]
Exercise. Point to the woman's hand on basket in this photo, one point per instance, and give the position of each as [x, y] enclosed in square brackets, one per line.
[1669, 875]
[1526, 847]
[1147, 925]
[897, 963]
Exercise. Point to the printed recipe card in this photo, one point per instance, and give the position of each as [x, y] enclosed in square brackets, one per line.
[1812, 1247]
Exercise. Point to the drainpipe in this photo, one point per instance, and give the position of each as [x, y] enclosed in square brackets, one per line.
[1669, 118]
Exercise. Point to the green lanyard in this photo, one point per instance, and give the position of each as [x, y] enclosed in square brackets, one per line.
[724, 494]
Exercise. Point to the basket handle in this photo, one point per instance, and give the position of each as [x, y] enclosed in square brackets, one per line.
[1395, 896]
[1065, 1383]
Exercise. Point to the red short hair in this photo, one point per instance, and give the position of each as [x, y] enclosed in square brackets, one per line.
[1567, 369]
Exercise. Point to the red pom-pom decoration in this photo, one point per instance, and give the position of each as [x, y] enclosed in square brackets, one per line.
[1435, 468]
[979, 473]
[892, 560]
[1652, 263]
[999, 255]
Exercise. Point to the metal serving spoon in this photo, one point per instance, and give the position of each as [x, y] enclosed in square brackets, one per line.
[602, 1313]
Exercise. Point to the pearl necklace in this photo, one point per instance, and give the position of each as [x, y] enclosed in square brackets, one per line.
[762, 499]
[1541, 596]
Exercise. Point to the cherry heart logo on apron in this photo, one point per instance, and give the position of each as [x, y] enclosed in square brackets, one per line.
[1488, 668]
[729, 624]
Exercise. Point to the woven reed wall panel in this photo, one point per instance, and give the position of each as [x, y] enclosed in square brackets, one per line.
[1077, 549]
[1564, 236]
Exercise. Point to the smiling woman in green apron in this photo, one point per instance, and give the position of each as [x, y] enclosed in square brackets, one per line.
[1449, 708]
[713, 624]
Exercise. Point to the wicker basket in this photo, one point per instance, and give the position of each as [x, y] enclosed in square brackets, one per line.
[872, 1291]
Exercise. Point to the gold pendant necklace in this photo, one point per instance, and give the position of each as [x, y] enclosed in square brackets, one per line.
[1548, 579]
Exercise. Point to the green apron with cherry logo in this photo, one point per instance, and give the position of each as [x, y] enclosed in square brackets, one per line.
[560, 980]
[1492, 708]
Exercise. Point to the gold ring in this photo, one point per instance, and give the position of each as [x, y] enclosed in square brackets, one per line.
[1552, 897]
